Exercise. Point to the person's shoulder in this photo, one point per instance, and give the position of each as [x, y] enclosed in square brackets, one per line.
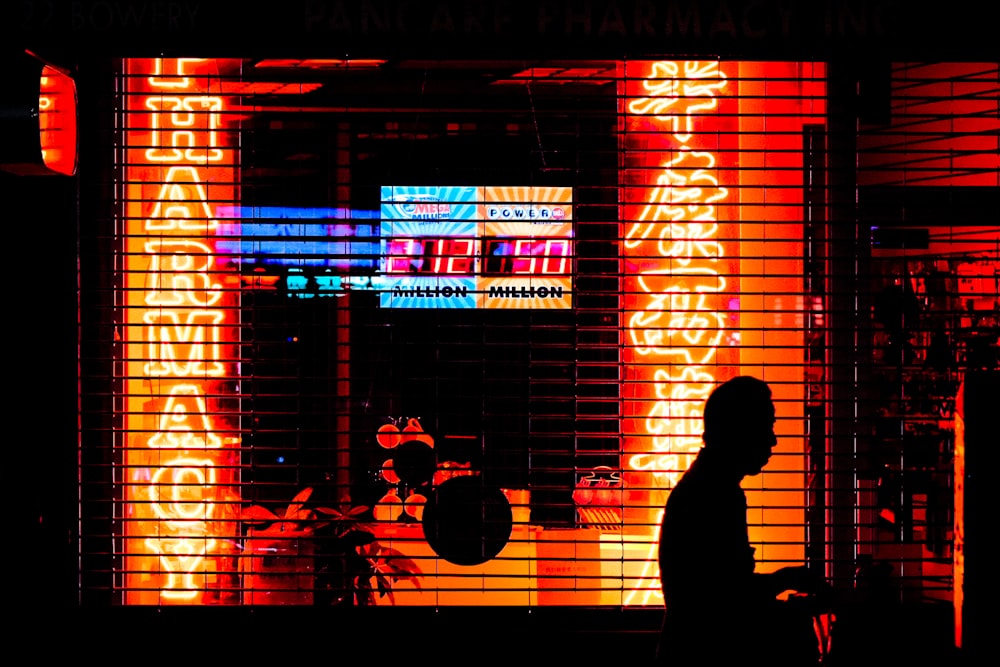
[701, 487]
[695, 477]
[689, 489]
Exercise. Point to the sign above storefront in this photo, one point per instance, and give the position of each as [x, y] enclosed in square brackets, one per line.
[38, 119]
[502, 28]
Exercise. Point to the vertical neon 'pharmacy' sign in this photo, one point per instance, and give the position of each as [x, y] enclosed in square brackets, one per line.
[178, 458]
[674, 283]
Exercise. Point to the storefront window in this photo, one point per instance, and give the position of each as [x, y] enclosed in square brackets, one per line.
[448, 326]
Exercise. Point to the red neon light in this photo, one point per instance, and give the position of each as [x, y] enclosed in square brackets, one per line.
[532, 256]
[57, 121]
[444, 256]
[179, 456]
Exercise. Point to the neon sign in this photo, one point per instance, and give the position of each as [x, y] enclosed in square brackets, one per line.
[178, 455]
[674, 284]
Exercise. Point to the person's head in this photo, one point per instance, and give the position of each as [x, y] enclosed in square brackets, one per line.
[739, 422]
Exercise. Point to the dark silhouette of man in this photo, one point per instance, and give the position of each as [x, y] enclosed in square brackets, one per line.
[718, 610]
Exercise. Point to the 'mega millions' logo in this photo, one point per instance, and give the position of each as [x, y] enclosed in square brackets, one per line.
[421, 207]
[540, 213]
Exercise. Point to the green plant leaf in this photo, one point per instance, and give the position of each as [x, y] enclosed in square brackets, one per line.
[292, 527]
[400, 563]
[298, 501]
[301, 515]
[256, 514]
[359, 538]
[363, 593]
[332, 511]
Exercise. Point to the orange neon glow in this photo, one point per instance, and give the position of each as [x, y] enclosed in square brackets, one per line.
[712, 249]
[194, 145]
[180, 459]
[674, 322]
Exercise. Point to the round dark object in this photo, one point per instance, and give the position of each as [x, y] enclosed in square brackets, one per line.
[414, 463]
[467, 522]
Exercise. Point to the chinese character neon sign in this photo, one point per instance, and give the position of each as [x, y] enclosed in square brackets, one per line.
[673, 283]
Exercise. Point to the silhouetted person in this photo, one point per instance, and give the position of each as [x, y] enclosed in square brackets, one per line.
[719, 611]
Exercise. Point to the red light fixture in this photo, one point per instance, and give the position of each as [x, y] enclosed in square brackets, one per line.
[38, 120]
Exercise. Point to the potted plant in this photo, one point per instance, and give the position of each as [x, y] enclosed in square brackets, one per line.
[315, 555]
